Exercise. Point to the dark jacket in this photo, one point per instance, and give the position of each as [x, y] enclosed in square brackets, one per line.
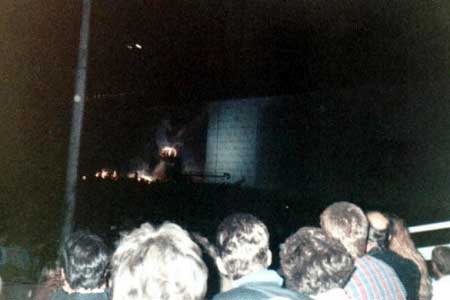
[263, 285]
[59, 294]
[407, 271]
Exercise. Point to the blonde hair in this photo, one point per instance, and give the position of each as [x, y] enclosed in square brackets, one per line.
[158, 263]
[402, 244]
[347, 223]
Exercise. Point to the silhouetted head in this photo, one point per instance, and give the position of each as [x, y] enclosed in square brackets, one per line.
[158, 263]
[379, 230]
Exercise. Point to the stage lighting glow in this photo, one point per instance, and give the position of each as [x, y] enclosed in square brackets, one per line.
[168, 152]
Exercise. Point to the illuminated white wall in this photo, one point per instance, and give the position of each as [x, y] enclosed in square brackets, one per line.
[374, 142]
[232, 141]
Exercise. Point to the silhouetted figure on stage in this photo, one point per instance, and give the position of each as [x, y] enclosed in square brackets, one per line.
[169, 167]
[180, 149]
[169, 140]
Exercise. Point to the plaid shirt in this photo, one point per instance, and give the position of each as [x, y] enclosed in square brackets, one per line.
[374, 280]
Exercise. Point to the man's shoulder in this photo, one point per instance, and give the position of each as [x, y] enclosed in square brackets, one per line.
[260, 292]
[388, 255]
[368, 264]
[398, 262]
[371, 261]
[374, 279]
[441, 288]
[239, 293]
[61, 295]
[443, 282]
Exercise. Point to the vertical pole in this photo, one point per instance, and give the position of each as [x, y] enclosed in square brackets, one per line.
[77, 122]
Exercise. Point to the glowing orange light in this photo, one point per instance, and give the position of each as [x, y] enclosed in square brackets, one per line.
[168, 152]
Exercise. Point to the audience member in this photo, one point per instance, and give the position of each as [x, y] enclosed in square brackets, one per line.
[244, 258]
[49, 281]
[84, 261]
[440, 261]
[377, 246]
[16, 263]
[316, 265]
[158, 263]
[401, 243]
[216, 281]
[372, 279]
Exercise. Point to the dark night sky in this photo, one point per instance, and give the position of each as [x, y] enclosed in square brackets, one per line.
[200, 51]
[209, 49]
[193, 52]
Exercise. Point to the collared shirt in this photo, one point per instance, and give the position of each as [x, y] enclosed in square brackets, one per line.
[374, 280]
[59, 294]
[269, 276]
[262, 285]
[332, 294]
[441, 288]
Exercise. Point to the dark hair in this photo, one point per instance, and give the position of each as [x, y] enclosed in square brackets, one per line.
[85, 258]
[243, 244]
[313, 263]
[379, 237]
[380, 228]
[440, 256]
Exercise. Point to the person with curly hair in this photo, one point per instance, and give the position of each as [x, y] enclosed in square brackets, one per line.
[315, 264]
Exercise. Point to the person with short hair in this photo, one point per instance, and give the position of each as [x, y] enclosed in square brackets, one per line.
[158, 263]
[244, 258]
[372, 279]
[440, 261]
[377, 246]
[315, 264]
[85, 258]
